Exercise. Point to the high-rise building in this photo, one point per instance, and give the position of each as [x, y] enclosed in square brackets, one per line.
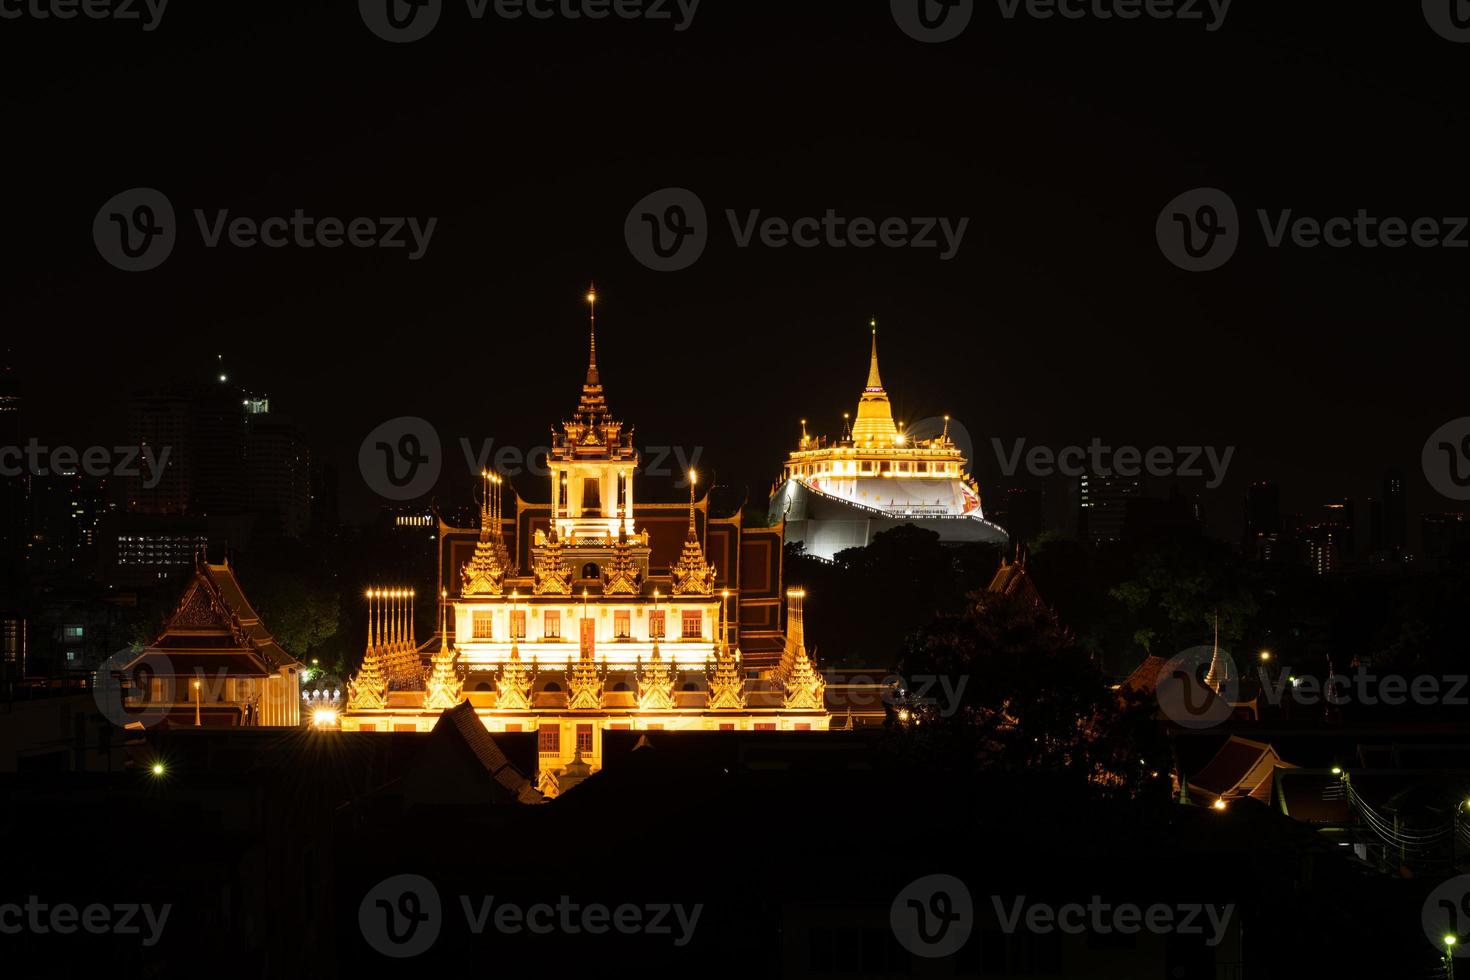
[160, 422]
[67, 512]
[278, 471]
[1394, 515]
[1339, 514]
[1263, 528]
[1445, 536]
[1102, 506]
[1024, 516]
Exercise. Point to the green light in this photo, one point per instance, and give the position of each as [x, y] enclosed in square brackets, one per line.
[1337, 770]
[1450, 940]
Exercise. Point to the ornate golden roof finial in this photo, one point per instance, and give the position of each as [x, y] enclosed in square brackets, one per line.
[592, 333]
[875, 383]
[692, 575]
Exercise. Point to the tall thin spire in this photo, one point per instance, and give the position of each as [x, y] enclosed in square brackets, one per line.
[592, 377]
[592, 405]
[875, 383]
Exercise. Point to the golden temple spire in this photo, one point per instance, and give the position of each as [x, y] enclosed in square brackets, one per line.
[692, 575]
[875, 383]
[874, 424]
[445, 686]
[592, 378]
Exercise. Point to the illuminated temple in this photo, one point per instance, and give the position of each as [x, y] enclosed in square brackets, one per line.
[594, 611]
[838, 493]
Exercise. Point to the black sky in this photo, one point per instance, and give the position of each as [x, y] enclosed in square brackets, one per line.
[1058, 321]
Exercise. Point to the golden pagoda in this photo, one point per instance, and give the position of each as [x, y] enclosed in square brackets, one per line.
[589, 613]
[837, 493]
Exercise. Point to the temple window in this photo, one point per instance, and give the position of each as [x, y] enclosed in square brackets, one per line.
[589, 570]
[549, 741]
[518, 624]
[692, 624]
[484, 625]
[656, 625]
[622, 624]
[551, 624]
[591, 498]
[584, 739]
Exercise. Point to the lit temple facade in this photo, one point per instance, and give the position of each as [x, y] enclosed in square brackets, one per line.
[837, 494]
[589, 613]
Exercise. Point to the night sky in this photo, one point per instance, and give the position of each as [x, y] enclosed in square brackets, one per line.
[1058, 320]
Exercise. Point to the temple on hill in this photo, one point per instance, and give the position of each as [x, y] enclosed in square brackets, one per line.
[838, 493]
[594, 611]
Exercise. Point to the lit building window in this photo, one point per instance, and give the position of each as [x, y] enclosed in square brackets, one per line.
[549, 740]
[692, 624]
[551, 625]
[656, 625]
[518, 624]
[622, 624]
[584, 739]
[484, 625]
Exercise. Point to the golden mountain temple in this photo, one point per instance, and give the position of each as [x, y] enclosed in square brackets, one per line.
[837, 494]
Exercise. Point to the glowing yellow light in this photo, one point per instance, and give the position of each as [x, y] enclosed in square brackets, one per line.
[158, 769]
[1450, 940]
[324, 716]
[1265, 655]
[693, 477]
[1219, 804]
[1337, 770]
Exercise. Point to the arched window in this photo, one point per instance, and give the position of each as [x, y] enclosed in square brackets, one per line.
[590, 570]
[621, 686]
[690, 686]
[482, 686]
[552, 687]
